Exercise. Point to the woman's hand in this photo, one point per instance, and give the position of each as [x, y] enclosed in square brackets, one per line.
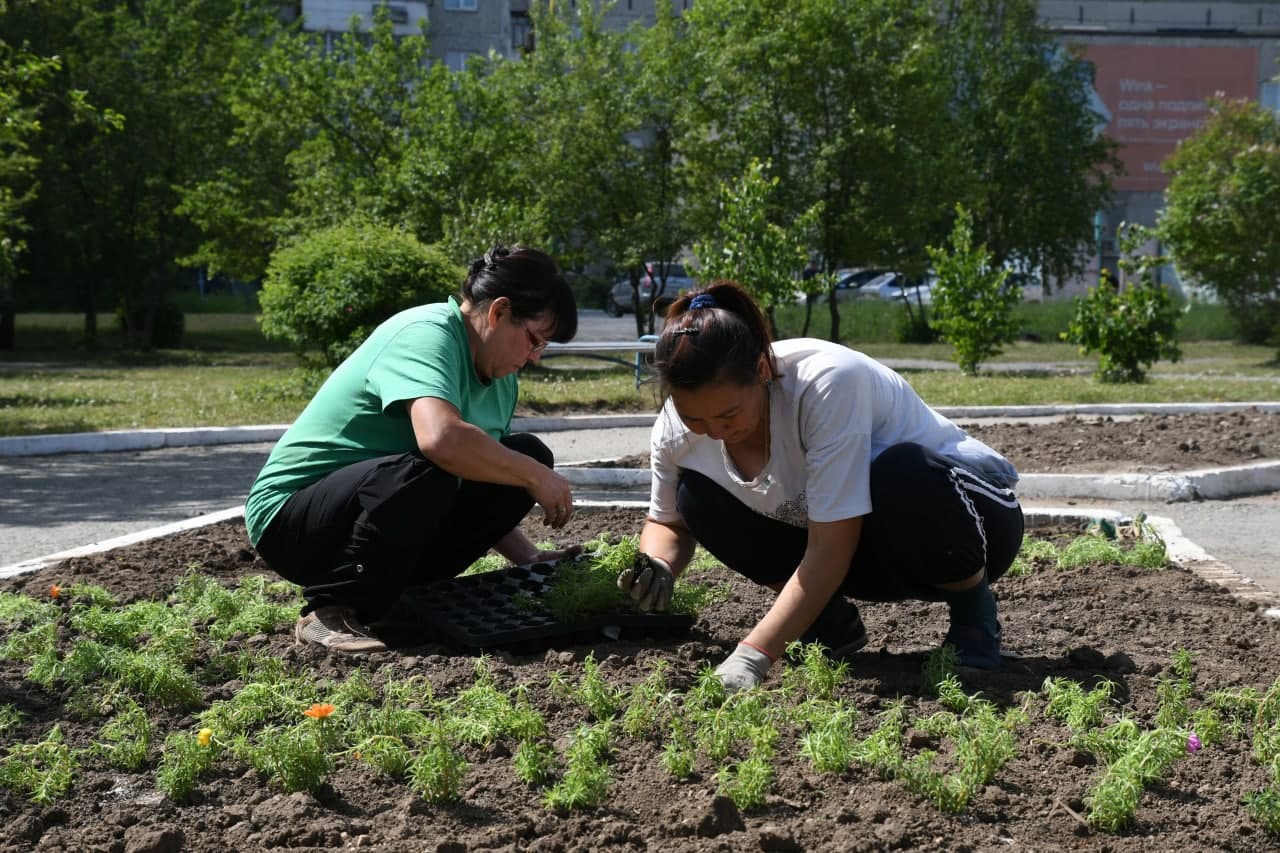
[552, 493]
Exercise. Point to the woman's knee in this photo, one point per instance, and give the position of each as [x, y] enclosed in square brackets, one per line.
[530, 445]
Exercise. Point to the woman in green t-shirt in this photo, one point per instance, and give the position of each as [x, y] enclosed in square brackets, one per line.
[402, 469]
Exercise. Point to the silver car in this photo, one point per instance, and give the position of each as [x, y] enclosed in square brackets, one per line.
[619, 301]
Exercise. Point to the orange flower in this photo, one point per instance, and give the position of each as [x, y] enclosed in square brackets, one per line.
[319, 710]
[55, 591]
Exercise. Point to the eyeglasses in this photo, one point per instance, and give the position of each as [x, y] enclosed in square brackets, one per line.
[536, 345]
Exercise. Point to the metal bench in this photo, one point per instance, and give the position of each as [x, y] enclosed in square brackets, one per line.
[610, 351]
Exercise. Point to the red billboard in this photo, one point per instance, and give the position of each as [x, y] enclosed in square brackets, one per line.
[1156, 97]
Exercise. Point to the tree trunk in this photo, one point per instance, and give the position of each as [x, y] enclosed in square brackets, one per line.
[8, 318]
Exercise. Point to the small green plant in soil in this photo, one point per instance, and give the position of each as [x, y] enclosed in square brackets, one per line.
[437, 774]
[42, 771]
[1068, 702]
[586, 779]
[1113, 799]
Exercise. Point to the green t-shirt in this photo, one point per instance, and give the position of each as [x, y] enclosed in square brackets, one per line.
[359, 412]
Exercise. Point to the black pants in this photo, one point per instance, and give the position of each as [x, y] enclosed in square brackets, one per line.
[363, 534]
[933, 522]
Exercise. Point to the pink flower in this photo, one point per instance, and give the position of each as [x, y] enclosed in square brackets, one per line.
[1193, 743]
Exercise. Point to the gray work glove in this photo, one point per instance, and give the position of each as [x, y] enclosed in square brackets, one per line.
[649, 581]
[744, 669]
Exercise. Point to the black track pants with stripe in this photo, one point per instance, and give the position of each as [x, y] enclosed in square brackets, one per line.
[933, 521]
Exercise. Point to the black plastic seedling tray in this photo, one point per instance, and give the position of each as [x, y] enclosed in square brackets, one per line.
[484, 611]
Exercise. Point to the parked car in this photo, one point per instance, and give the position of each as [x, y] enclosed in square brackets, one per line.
[619, 300]
[896, 285]
[850, 284]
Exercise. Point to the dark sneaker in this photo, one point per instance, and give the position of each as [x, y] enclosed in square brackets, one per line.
[838, 628]
[975, 645]
[337, 629]
[975, 626]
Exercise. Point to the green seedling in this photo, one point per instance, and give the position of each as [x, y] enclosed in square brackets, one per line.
[10, 720]
[678, 753]
[437, 774]
[1264, 807]
[294, 757]
[1114, 798]
[1175, 692]
[487, 563]
[586, 587]
[391, 755]
[535, 762]
[18, 610]
[649, 703]
[1088, 551]
[1069, 702]
[1109, 743]
[939, 664]
[586, 779]
[816, 674]
[984, 742]
[255, 606]
[593, 692]
[183, 759]
[882, 749]
[480, 714]
[126, 738]
[41, 771]
[951, 694]
[946, 791]
[1033, 552]
[829, 743]
[747, 782]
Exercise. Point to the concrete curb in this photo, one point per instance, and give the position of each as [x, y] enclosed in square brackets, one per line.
[1182, 551]
[1165, 487]
[151, 439]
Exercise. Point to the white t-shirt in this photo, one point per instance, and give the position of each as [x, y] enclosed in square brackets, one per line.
[832, 410]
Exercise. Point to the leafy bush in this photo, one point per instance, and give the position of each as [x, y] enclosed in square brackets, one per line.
[1129, 328]
[972, 309]
[331, 288]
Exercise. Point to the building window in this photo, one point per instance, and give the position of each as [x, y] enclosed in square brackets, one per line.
[461, 5]
[1269, 96]
[456, 60]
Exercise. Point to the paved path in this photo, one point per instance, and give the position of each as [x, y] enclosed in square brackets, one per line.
[55, 503]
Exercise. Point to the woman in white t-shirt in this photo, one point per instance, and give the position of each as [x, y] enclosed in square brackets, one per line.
[815, 470]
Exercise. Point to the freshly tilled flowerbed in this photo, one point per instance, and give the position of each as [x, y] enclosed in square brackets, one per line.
[1141, 715]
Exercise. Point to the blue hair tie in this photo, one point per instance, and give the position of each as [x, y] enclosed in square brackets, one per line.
[703, 300]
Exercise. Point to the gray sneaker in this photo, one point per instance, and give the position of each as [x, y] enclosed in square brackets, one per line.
[337, 629]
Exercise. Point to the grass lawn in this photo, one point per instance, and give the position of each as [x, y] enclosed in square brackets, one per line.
[228, 375]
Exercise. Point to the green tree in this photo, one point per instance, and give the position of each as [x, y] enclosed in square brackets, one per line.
[1221, 219]
[762, 255]
[1021, 143]
[842, 100]
[1130, 327]
[104, 227]
[22, 75]
[601, 110]
[972, 309]
[325, 132]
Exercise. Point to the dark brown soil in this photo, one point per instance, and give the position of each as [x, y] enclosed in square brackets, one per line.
[1098, 445]
[1101, 622]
